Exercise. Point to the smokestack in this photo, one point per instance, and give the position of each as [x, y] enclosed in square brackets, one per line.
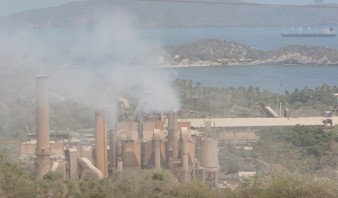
[112, 150]
[157, 148]
[119, 157]
[172, 141]
[184, 155]
[175, 137]
[101, 143]
[170, 146]
[42, 126]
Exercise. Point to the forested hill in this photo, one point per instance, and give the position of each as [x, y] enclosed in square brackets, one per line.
[161, 13]
[213, 52]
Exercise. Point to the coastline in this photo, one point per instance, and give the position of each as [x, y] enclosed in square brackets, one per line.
[240, 65]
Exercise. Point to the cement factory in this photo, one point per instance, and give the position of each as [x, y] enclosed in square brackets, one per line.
[134, 141]
[125, 140]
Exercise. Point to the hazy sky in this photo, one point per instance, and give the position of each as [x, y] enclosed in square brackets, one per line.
[11, 6]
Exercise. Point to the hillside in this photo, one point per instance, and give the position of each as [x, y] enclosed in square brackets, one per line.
[217, 52]
[150, 13]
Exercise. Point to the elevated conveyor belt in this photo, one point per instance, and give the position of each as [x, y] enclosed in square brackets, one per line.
[258, 122]
[270, 112]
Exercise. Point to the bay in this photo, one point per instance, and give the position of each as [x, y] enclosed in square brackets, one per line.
[273, 78]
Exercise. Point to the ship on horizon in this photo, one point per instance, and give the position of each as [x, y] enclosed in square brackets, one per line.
[326, 32]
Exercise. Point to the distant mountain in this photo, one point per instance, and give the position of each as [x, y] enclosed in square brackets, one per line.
[150, 13]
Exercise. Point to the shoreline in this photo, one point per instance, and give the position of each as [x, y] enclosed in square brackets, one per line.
[240, 65]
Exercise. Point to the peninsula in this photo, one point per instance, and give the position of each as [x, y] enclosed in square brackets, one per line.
[213, 52]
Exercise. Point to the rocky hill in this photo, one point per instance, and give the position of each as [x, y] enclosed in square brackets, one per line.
[152, 13]
[217, 52]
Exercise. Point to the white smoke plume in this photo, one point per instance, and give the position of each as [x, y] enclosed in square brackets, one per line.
[96, 65]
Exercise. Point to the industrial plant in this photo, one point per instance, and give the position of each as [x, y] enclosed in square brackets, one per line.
[122, 140]
[129, 139]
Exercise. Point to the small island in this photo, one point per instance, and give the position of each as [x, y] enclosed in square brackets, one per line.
[213, 52]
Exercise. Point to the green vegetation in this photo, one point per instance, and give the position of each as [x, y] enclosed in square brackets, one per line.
[243, 102]
[217, 52]
[286, 185]
[16, 182]
[299, 149]
[213, 50]
[310, 150]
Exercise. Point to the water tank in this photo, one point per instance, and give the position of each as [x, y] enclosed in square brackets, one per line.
[209, 153]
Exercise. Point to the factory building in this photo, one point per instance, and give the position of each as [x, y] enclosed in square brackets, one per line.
[134, 141]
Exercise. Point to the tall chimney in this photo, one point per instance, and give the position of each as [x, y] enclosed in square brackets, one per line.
[172, 156]
[175, 134]
[185, 154]
[101, 143]
[42, 126]
[157, 148]
[170, 145]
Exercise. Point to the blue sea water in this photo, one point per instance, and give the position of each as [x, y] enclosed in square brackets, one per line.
[267, 77]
